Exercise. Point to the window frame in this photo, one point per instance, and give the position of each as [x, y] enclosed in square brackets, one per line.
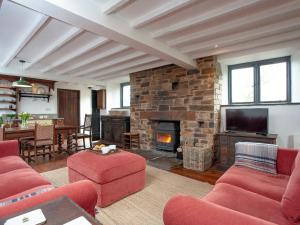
[256, 86]
[122, 85]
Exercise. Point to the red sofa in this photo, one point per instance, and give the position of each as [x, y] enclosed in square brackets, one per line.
[17, 178]
[244, 196]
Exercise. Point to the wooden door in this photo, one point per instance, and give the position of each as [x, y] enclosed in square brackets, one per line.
[68, 104]
[101, 99]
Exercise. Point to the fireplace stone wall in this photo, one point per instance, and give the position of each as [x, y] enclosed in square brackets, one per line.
[174, 93]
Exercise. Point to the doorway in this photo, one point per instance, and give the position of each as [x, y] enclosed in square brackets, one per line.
[95, 116]
[68, 105]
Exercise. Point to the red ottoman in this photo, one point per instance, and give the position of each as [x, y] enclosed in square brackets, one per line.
[115, 176]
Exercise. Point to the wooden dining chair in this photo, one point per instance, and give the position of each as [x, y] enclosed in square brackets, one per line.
[85, 131]
[43, 143]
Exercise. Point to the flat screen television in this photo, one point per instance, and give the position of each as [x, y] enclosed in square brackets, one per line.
[253, 120]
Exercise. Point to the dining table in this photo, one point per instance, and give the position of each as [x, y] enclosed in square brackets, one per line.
[61, 132]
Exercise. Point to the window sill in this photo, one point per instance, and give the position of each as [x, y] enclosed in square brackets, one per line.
[262, 104]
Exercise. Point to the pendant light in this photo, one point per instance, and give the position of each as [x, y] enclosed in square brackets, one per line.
[21, 82]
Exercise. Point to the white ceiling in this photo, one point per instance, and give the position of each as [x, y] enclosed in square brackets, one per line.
[98, 40]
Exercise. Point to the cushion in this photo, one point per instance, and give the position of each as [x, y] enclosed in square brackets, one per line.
[285, 160]
[106, 168]
[257, 156]
[25, 194]
[269, 185]
[20, 180]
[291, 199]
[10, 163]
[247, 202]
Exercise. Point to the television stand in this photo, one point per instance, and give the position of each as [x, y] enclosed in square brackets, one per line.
[224, 145]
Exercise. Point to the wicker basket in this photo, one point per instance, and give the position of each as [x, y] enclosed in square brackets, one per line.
[196, 158]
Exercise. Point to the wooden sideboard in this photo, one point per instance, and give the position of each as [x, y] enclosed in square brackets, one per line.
[224, 145]
[113, 127]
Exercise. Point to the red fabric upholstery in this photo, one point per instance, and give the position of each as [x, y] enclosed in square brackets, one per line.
[20, 180]
[291, 198]
[247, 202]
[102, 169]
[83, 193]
[9, 148]
[111, 192]
[271, 186]
[115, 176]
[185, 210]
[285, 160]
[245, 196]
[10, 163]
[17, 178]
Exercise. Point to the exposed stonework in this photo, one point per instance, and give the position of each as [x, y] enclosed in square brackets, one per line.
[172, 92]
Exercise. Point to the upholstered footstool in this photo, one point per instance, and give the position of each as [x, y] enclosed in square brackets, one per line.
[115, 175]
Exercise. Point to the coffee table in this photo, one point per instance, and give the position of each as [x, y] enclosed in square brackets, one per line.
[58, 212]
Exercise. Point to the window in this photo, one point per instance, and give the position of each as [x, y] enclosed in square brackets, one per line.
[125, 95]
[266, 81]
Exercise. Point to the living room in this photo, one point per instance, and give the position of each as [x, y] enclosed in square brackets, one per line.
[149, 112]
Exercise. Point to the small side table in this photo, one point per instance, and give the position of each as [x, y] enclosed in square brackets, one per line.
[58, 212]
[131, 141]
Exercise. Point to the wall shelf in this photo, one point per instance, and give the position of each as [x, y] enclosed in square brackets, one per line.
[33, 95]
[6, 87]
[8, 95]
[8, 109]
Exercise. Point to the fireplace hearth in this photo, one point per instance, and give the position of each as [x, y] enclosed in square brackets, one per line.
[167, 136]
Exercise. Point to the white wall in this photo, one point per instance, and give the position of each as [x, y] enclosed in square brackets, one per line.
[284, 120]
[113, 96]
[41, 106]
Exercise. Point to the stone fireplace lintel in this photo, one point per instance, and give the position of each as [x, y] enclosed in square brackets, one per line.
[169, 116]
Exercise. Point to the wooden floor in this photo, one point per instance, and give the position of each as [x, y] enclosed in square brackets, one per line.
[59, 161]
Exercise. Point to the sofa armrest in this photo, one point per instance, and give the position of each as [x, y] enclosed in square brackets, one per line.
[186, 210]
[285, 160]
[9, 148]
[82, 192]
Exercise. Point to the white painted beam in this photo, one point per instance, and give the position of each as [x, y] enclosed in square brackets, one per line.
[113, 6]
[237, 23]
[282, 48]
[15, 71]
[250, 44]
[126, 66]
[97, 57]
[132, 70]
[248, 35]
[111, 63]
[82, 50]
[36, 26]
[73, 32]
[203, 17]
[1, 1]
[163, 10]
[85, 15]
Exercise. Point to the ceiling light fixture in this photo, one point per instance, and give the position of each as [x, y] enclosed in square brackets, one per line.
[216, 45]
[21, 82]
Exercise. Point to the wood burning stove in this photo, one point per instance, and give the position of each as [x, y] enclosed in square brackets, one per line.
[167, 136]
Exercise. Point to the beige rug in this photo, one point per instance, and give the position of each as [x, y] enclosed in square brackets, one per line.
[145, 207]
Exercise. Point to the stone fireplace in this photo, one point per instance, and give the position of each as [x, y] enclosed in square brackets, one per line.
[172, 93]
